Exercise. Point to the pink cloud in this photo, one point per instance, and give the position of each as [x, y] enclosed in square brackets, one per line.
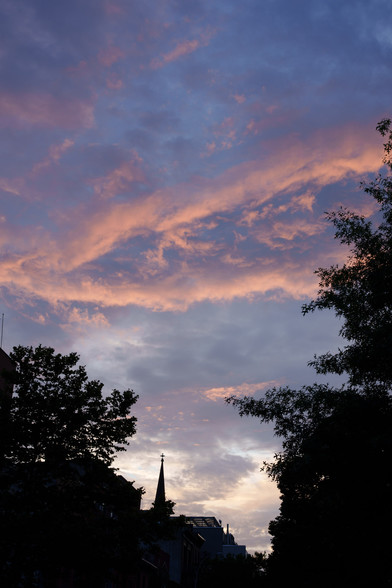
[12, 185]
[118, 180]
[77, 318]
[210, 149]
[282, 233]
[239, 98]
[113, 82]
[304, 201]
[182, 48]
[271, 109]
[252, 216]
[45, 110]
[218, 394]
[78, 70]
[54, 155]
[110, 55]
[113, 8]
[57, 267]
[225, 136]
[224, 128]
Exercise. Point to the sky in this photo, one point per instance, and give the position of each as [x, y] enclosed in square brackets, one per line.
[164, 175]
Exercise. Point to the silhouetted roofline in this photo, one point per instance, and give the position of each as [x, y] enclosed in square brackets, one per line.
[204, 521]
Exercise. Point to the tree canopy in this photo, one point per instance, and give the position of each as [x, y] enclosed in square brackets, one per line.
[360, 292]
[334, 470]
[56, 412]
[67, 516]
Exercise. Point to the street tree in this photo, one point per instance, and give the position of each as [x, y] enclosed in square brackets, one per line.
[360, 291]
[334, 470]
[56, 412]
[66, 515]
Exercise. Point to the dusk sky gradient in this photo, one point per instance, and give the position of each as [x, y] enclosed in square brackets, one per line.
[165, 169]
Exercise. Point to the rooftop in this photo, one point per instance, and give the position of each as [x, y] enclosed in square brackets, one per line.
[204, 521]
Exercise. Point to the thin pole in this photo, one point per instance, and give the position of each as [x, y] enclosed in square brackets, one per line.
[2, 330]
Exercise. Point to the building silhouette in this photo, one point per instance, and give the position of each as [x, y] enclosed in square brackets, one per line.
[196, 539]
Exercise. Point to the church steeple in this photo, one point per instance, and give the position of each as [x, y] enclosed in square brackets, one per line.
[160, 497]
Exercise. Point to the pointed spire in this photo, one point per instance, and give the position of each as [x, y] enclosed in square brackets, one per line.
[160, 497]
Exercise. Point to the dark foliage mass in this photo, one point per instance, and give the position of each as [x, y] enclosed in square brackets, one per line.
[66, 517]
[360, 292]
[334, 472]
[56, 412]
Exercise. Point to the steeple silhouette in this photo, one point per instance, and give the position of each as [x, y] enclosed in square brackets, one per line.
[160, 497]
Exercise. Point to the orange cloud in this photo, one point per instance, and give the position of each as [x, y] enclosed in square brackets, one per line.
[77, 320]
[280, 234]
[216, 394]
[304, 201]
[58, 266]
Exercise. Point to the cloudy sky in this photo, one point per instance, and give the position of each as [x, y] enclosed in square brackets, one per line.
[165, 167]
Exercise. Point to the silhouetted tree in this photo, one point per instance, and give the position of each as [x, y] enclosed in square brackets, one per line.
[335, 468]
[56, 412]
[360, 292]
[64, 513]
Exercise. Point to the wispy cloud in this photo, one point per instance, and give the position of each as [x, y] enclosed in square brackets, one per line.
[183, 48]
[54, 155]
[218, 394]
[177, 223]
[110, 55]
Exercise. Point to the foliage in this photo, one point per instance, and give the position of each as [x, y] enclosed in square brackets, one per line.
[334, 471]
[336, 491]
[296, 414]
[67, 517]
[56, 412]
[360, 292]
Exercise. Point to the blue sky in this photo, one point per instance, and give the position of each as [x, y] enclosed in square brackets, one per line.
[164, 172]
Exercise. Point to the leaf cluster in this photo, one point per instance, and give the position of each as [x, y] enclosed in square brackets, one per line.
[360, 291]
[56, 412]
[295, 414]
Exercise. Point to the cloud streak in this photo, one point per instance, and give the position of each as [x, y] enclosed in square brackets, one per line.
[190, 262]
[182, 48]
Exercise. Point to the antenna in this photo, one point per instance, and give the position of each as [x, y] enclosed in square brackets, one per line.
[2, 330]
